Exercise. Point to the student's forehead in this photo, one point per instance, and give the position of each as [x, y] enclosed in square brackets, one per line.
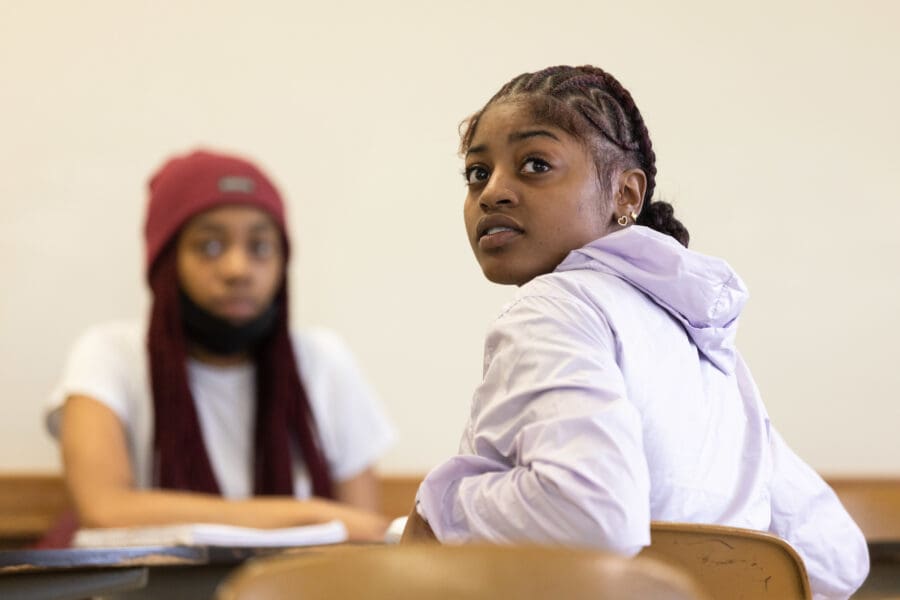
[499, 121]
[228, 216]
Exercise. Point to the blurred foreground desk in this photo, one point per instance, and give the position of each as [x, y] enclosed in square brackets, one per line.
[169, 573]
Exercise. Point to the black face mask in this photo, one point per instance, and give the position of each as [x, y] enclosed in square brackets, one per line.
[221, 337]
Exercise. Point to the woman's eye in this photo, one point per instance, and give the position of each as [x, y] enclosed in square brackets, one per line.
[262, 248]
[476, 174]
[535, 165]
[210, 248]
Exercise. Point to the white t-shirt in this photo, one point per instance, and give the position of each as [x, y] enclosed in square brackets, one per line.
[109, 363]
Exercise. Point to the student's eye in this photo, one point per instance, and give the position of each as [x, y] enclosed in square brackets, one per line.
[210, 248]
[262, 248]
[476, 174]
[535, 165]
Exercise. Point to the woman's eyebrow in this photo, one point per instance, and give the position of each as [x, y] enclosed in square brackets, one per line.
[476, 149]
[524, 135]
[516, 137]
[213, 227]
[263, 226]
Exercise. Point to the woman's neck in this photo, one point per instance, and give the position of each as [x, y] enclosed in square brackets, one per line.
[203, 355]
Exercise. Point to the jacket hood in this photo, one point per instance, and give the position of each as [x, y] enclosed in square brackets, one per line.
[702, 292]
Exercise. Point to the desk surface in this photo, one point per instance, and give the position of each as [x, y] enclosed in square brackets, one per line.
[25, 561]
[139, 573]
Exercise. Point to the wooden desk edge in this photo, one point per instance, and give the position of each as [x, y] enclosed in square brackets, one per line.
[30, 502]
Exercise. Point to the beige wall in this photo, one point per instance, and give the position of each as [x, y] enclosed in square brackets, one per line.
[776, 126]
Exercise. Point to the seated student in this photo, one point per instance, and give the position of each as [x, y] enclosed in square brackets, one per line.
[613, 393]
[215, 411]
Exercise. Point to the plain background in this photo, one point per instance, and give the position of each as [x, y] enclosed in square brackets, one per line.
[775, 124]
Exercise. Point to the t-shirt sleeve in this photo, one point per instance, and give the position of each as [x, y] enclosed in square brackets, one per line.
[95, 368]
[354, 430]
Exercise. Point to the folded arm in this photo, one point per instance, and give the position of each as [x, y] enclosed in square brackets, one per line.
[101, 483]
[554, 450]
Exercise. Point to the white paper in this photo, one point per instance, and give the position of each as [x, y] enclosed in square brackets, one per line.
[210, 534]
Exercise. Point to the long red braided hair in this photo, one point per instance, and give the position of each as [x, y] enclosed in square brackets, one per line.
[184, 187]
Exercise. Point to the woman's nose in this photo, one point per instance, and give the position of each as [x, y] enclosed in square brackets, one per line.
[498, 192]
[235, 263]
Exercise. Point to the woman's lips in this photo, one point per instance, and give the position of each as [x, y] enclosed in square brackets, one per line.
[497, 237]
[237, 308]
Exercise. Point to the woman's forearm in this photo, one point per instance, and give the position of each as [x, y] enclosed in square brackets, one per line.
[128, 507]
[101, 484]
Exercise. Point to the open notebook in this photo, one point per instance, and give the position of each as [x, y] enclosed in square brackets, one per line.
[208, 534]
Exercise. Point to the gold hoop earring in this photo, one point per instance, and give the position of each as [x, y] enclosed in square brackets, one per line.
[634, 216]
[623, 220]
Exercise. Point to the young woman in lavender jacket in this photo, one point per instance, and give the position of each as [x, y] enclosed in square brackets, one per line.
[613, 393]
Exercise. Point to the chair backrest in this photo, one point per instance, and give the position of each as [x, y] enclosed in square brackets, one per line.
[730, 562]
[469, 572]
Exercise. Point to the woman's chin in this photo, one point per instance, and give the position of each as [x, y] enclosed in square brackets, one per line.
[506, 276]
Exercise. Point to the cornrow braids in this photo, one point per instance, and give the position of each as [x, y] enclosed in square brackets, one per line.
[590, 104]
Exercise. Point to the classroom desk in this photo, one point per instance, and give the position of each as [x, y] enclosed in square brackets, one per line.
[169, 573]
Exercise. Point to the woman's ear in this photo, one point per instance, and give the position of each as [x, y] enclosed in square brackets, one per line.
[630, 192]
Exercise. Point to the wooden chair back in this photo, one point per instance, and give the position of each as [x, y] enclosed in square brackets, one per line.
[729, 562]
[469, 572]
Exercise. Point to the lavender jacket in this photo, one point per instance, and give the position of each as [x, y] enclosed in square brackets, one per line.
[613, 394]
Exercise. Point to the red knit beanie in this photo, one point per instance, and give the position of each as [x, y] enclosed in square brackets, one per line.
[188, 185]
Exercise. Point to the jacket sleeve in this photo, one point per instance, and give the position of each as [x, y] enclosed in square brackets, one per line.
[553, 452]
[808, 514]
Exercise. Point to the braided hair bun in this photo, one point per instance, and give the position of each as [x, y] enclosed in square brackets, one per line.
[660, 216]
